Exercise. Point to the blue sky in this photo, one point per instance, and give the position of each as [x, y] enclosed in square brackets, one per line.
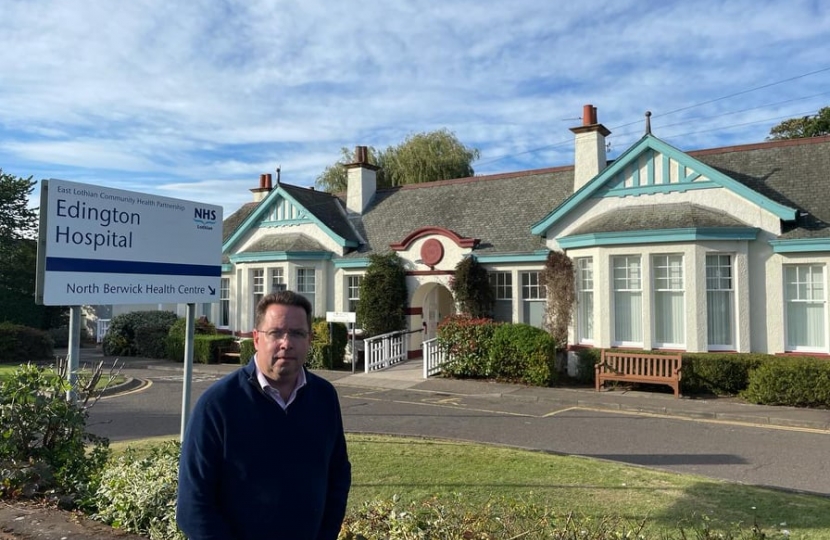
[194, 99]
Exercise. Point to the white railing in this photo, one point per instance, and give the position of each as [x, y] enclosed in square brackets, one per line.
[103, 326]
[385, 350]
[434, 357]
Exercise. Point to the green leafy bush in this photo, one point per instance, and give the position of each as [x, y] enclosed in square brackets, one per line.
[60, 336]
[795, 381]
[138, 494]
[121, 336]
[383, 295]
[523, 353]
[586, 362]
[205, 347]
[718, 373]
[246, 350]
[20, 343]
[467, 342]
[43, 447]
[202, 326]
[327, 349]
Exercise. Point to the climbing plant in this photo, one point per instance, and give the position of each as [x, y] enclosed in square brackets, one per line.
[383, 296]
[471, 288]
[558, 278]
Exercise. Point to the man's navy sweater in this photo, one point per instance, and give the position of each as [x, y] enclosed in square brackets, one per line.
[250, 470]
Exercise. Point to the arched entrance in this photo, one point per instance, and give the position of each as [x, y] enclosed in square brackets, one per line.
[436, 302]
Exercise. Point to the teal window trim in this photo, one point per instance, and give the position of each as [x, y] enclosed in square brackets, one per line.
[286, 222]
[800, 245]
[510, 258]
[227, 268]
[269, 256]
[351, 263]
[666, 236]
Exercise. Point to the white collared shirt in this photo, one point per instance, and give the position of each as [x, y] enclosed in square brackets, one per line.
[274, 393]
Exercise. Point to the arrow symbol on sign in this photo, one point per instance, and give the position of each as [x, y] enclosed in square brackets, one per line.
[212, 290]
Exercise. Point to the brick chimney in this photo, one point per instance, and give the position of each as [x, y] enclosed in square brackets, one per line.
[362, 181]
[589, 152]
[264, 188]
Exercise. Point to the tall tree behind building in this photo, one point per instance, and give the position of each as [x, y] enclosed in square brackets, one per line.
[799, 128]
[18, 257]
[422, 157]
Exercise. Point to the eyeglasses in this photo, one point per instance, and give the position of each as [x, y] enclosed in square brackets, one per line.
[293, 333]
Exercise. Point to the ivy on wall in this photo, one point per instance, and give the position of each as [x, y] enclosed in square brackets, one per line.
[471, 288]
[559, 280]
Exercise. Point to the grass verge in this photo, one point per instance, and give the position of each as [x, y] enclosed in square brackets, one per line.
[480, 477]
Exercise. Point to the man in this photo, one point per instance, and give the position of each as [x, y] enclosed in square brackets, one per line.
[264, 455]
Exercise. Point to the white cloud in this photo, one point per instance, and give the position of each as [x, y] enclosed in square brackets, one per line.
[169, 94]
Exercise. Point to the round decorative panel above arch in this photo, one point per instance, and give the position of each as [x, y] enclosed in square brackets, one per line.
[432, 251]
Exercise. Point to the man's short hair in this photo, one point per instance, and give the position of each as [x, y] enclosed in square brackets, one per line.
[285, 298]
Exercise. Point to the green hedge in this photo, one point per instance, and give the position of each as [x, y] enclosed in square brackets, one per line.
[792, 381]
[22, 344]
[328, 349]
[722, 374]
[246, 350]
[205, 347]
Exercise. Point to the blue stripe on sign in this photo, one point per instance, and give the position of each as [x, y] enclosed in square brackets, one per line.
[65, 264]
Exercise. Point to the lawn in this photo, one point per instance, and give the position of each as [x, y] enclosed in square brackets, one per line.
[481, 476]
[7, 369]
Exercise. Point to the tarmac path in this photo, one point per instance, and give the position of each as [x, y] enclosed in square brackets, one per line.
[783, 457]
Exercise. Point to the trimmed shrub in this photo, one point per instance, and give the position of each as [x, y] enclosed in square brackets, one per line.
[795, 381]
[523, 353]
[467, 341]
[150, 341]
[138, 494]
[20, 343]
[246, 350]
[205, 347]
[121, 336]
[60, 336]
[587, 360]
[327, 349]
[718, 373]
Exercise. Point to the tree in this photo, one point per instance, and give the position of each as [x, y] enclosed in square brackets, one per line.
[471, 287]
[806, 126]
[18, 257]
[383, 296]
[422, 157]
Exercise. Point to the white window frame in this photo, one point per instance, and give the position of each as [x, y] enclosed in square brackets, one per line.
[668, 284]
[501, 283]
[630, 283]
[584, 268]
[809, 291]
[353, 283]
[276, 279]
[224, 303]
[720, 283]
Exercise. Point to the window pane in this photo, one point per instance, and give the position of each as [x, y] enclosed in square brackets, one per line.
[806, 309]
[585, 299]
[669, 309]
[353, 291]
[225, 302]
[628, 309]
[720, 301]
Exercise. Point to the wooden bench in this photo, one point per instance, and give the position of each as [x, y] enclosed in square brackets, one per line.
[641, 368]
[228, 353]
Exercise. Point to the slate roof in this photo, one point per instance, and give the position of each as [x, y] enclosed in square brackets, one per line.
[658, 217]
[499, 210]
[326, 207]
[294, 242]
[795, 173]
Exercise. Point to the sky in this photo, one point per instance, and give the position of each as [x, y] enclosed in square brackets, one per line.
[194, 99]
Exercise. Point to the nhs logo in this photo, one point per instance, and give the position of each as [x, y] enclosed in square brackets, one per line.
[204, 218]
